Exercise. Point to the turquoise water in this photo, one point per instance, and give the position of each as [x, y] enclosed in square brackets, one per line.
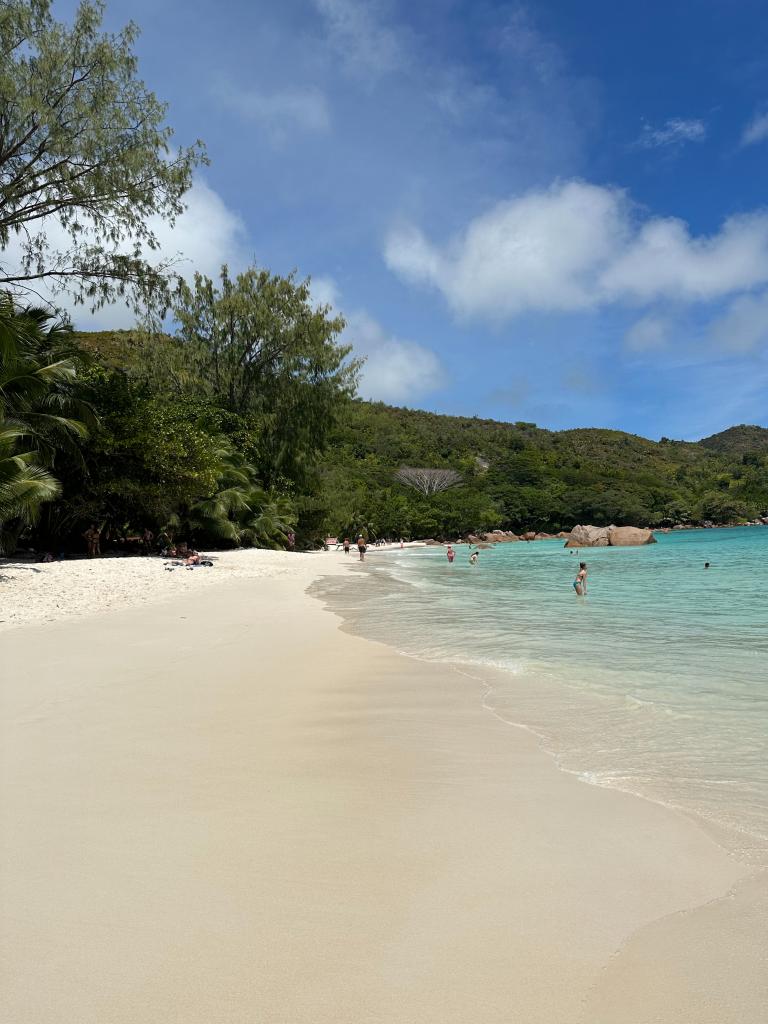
[656, 682]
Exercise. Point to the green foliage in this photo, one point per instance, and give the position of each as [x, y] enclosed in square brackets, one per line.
[517, 476]
[38, 395]
[264, 353]
[83, 143]
[217, 431]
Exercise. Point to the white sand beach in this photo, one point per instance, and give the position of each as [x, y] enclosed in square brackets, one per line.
[218, 808]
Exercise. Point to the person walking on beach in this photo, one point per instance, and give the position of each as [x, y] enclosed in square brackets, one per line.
[361, 547]
[451, 554]
[346, 545]
[580, 583]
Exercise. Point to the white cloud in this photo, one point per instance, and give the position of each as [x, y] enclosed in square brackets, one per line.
[650, 332]
[279, 113]
[756, 130]
[356, 30]
[663, 260]
[673, 132]
[744, 325]
[204, 237]
[540, 251]
[579, 246]
[395, 370]
[324, 291]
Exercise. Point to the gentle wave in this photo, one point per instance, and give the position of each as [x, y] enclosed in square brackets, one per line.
[656, 683]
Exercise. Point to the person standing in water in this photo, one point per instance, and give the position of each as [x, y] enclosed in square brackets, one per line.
[473, 558]
[361, 547]
[580, 583]
[450, 554]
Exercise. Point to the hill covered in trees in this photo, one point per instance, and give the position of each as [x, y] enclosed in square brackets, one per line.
[212, 438]
[518, 475]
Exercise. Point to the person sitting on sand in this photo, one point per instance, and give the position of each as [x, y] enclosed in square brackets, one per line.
[93, 539]
[580, 583]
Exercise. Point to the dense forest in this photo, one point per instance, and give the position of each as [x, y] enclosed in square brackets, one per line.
[518, 476]
[163, 444]
[229, 416]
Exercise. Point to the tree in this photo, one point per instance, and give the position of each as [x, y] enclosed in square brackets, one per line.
[239, 510]
[85, 154]
[38, 397]
[265, 353]
[428, 481]
[24, 485]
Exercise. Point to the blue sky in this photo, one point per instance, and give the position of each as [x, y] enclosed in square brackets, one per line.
[554, 213]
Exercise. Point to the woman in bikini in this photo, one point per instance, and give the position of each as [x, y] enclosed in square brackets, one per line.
[580, 583]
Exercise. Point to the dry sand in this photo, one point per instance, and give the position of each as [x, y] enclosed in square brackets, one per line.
[220, 809]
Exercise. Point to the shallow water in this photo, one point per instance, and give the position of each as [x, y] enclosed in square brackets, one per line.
[656, 682]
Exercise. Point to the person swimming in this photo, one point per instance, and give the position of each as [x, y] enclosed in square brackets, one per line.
[580, 583]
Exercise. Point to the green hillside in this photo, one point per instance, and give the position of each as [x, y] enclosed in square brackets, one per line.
[517, 475]
[742, 439]
[207, 439]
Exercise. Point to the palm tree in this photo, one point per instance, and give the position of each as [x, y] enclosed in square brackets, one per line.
[240, 510]
[38, 397]
[24, 486]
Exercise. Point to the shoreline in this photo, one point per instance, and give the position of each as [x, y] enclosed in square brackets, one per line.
[255, 794]
[536, 707]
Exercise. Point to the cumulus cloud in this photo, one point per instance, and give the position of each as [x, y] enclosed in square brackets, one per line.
[206, 235]
[744, 325]
[395, 370]
[674, 132]
[578, 246]
[542, 251]
[756, 130]
[280, 113]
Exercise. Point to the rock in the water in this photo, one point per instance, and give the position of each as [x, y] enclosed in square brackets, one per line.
[629, 536]
[609, 536]
[588, 537]
[563, 535]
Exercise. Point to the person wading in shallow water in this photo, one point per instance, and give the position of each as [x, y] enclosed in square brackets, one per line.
[361, 547]
[450, 553]
[580, 583]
